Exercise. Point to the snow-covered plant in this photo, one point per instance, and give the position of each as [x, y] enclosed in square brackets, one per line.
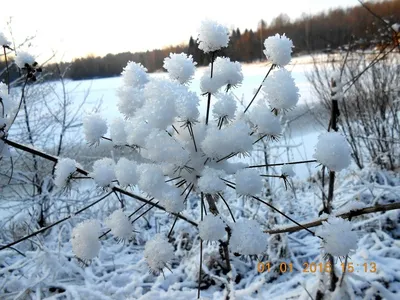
[135, 75]
[180, 67]
[338, 237]
[24, 58]
[280, 90]
[333, 151]
[158, 252]
[120, 225]
[248, 182]
[278, 49]
[126, 172]
[85, 241]
[248, 238]
[103, 172]
[94, 127]
[117, 132]
[4, 41]
[212, 36]
[212, 228]
[63, 170]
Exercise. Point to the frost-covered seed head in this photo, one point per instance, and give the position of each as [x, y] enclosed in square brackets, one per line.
[278, 49]
[210, 181]
[158, 252]
[338, 237]
[281, 90]
[94, 127]
[24, 58]
[126, 172]
[120, 225]
[247, 238]
[103, 172]
[265, 121]
[3, 40]
[171, 199]
[187, 104]
[333, 151]
[229, 72]
[248, 182]
[130, 100]
[117, 132]
[135, 75]
[212, 36]
[85, 241]
[212, 228]
[63, 170]
[225, 106]
[180, 67]
[151, 179]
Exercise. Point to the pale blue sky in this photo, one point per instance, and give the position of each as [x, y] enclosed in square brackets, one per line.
[77, 28]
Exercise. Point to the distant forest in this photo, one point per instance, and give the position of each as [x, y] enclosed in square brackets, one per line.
[325, 32]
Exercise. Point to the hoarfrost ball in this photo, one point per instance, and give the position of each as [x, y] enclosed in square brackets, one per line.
[120, 225]
[212, 36]
[278, 49]
[333, 151]
[158, 252]
[85, 241]
[212, 228]
[338, 237]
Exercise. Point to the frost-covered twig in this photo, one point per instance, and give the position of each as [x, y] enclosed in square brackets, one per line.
[54, 224]
[282, 164]
[353, 213]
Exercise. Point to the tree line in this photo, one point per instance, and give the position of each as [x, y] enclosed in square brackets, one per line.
[326, 31]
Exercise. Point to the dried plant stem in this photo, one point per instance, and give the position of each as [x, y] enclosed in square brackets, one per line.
[259, 88]
[209, 94]
[54, 224]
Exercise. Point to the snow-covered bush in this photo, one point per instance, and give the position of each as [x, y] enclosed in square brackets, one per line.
[178, 152]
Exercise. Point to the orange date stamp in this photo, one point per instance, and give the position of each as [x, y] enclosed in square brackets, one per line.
[314, 267]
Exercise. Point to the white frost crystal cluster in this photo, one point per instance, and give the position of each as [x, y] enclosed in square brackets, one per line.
[247, 238]
[120, 225]
[212, 228]
[180, 67]
[63, 170]
[94, 127]
[225, 73]
[103, 172]
[24, 58]
[126, 172]
[333, 151]
[135, 75]
[212, 36]
[225, 106]
[3, 40]
[158, 252]
[278, 49]
[248, 182]
[264, 121]
[338, 237]
[280, 90]
[85, 239]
